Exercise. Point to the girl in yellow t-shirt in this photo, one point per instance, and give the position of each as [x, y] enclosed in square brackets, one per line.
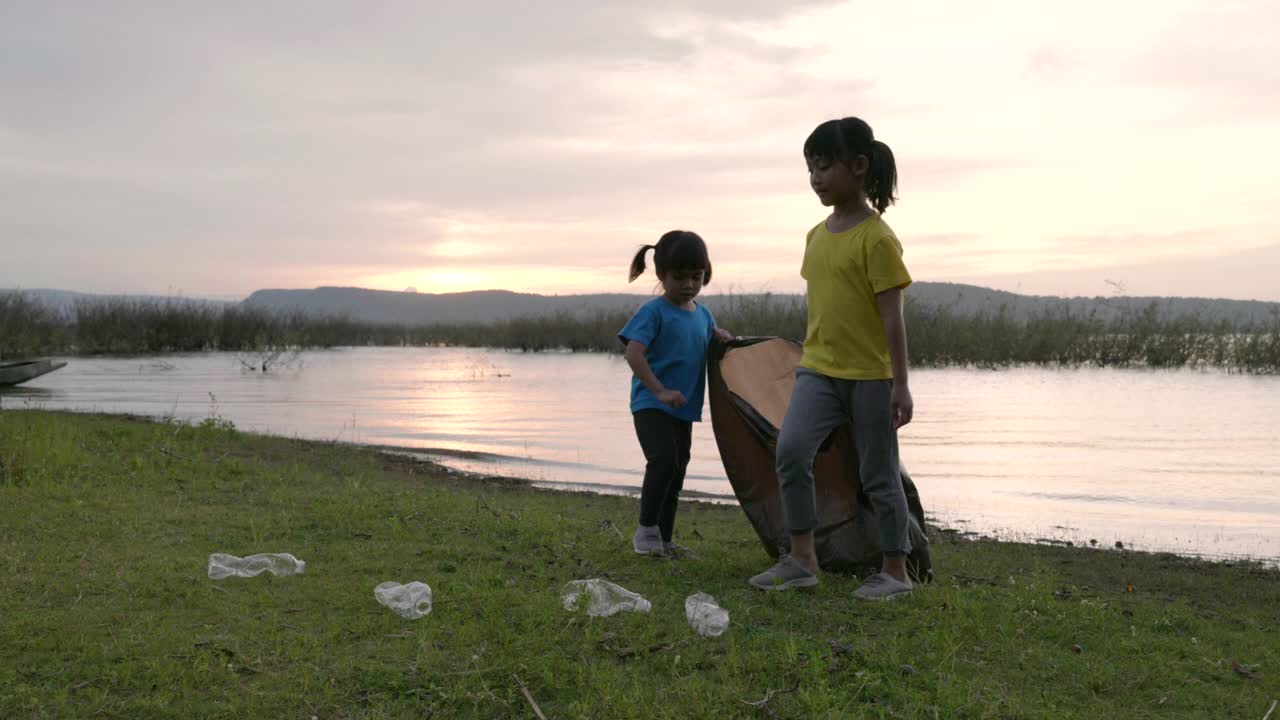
[854, 367]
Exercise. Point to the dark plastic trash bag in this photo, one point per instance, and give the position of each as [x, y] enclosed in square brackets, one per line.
[750, 382]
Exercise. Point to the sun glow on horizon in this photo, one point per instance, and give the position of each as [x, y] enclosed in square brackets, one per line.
[568, 281]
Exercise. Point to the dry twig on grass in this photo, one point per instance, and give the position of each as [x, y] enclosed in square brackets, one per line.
[770, 694]
[532, 703]
[608, 525]
[1245, 672]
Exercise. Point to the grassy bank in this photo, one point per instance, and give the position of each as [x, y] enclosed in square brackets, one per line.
[105, 525]
[938, 335]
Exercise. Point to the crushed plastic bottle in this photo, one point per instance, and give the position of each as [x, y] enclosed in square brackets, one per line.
[706, 617]
[223, 566]
[606, 598]
[410, 601]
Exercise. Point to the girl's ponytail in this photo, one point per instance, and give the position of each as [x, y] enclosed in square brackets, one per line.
[637, 263]
[882, 176]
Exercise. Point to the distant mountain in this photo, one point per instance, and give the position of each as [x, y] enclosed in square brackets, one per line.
[972, 299]
[408, 308]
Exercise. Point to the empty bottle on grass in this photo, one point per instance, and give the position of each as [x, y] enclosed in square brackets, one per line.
[706, 617]
[410, 601]
[605, 598]
[223, 566]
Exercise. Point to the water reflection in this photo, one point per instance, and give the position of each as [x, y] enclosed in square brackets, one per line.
[1177, 460]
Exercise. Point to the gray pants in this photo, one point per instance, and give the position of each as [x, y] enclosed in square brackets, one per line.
[819, 405]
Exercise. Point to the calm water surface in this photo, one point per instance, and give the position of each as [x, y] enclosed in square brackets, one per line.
[1171, 460]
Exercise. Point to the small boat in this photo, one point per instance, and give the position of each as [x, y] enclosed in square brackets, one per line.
[16, 372]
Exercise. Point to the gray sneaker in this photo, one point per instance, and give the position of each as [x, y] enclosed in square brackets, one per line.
[784, 575]
[882, 586]
[647, 541]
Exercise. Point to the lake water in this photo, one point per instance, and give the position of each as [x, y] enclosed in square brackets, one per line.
[1184, 461]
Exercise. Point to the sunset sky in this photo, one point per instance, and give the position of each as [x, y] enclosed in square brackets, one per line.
[211, 149]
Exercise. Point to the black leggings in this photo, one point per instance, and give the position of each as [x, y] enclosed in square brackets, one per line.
[665, 440]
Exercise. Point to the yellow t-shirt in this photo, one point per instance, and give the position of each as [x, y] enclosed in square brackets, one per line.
[845, 271]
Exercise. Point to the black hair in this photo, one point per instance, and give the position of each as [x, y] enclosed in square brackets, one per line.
[675, 251]
[845, 139]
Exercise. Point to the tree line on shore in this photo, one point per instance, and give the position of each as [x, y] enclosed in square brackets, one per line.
[938, 336]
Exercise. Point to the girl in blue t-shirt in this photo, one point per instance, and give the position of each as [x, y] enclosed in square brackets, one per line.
[666, 346]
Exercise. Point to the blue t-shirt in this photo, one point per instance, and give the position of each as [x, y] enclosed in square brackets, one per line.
[675, 345]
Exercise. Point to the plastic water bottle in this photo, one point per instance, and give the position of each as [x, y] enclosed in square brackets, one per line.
[410, 601]
[223, 566]
[605, 598]
[706, 617]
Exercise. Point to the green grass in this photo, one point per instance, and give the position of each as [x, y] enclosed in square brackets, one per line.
[106, 611]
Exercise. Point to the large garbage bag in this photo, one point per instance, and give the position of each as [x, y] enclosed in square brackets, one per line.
[749, 384]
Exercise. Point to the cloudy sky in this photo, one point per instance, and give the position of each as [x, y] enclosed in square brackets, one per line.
[211, 149]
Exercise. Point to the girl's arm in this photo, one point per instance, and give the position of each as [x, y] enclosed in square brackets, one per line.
[640, 366]
[895, 332]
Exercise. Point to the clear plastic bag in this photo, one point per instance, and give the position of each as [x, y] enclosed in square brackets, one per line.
[706, 617]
